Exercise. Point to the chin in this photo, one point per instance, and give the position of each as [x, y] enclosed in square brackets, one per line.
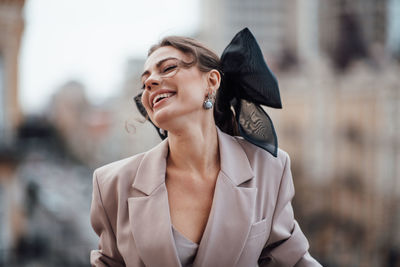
[167, 118]
[161, 118]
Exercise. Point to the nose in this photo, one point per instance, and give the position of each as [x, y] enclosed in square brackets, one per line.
[152, 82]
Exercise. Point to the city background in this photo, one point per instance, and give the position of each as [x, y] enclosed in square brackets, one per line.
[338, 67]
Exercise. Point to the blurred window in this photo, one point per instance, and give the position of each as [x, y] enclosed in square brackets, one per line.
[353, 134]
[2, 100]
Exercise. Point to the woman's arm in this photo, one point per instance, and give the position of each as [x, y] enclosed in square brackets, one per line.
[287, 245]
[107, 254]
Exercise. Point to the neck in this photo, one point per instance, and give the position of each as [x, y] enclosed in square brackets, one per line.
[194, 149]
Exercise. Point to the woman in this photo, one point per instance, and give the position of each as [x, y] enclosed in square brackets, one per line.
[203, 196]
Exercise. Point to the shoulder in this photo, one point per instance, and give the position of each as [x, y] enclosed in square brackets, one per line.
[269, 171]
[259, 157]
[121, 171]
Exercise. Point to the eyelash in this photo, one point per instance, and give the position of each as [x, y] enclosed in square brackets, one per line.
[169, 68]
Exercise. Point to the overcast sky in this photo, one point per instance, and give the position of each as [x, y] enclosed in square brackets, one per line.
[91, 41]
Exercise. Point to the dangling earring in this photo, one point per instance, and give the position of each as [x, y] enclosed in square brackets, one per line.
[209, 103]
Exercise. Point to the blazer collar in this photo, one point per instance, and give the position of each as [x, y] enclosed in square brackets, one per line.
[232, 210]
[152, 169]
[234, 164]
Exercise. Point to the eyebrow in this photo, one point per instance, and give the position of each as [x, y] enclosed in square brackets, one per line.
[157, 65]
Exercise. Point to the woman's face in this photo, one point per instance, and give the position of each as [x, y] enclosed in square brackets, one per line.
[173, 93]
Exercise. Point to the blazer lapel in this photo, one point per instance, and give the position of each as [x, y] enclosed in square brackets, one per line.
[232, 210]
[149, 211]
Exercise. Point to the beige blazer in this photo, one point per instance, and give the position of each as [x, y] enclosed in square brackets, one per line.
[251, 221]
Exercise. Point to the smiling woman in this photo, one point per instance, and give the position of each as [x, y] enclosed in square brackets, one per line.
[217, 191]
[172, 72]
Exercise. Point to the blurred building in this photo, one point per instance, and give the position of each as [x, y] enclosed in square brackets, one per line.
[341, 119]
[268, 20]
[393, 29]
[343, 134]
[44, 190]
[11, 28]
[53, 192]
[99, 134]
[378, 22]
[75, 119]
[306, 28]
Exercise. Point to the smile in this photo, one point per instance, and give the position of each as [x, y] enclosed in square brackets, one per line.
[160, 97]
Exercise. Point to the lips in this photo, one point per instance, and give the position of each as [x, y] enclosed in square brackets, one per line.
[160, 95]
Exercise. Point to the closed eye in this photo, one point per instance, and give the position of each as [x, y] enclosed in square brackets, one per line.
[169, 68]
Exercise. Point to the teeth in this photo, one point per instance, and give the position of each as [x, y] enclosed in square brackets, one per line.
[161, 96]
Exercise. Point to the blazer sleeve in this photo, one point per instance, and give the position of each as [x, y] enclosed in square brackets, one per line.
[287, 245]
[107, 254]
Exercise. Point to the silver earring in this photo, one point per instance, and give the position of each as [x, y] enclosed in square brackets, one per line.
[209, 103]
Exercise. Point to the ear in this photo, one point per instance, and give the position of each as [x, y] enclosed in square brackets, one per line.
[213, 80]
